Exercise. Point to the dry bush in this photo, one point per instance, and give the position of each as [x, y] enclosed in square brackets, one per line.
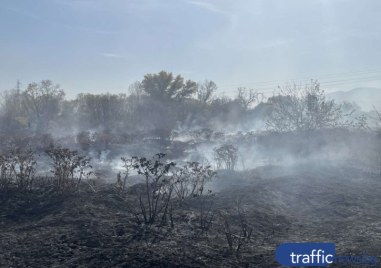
[206, 212]
[68, 168]
[237, 237]
[226, 156]
[121, 179]
[154, 200]
[18, 167]
[166, 187]
[5, 172]
[190, 180]
[24, 168]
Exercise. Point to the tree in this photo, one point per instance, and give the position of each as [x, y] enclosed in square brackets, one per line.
[136, 91]
[247, 97]
[13, 111]
[303, 108]
[165, 102]
[42, 101]
[164, 86]
[102, 109]
[205, 91]
[226, 156]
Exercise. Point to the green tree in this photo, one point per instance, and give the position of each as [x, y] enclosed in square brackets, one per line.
[165, 86]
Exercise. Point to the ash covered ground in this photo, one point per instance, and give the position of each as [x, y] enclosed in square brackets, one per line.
[93, 227]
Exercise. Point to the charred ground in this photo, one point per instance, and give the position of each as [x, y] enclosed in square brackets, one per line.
[93, 228]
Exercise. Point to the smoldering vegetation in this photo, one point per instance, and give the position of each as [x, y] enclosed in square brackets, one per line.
[171, 174]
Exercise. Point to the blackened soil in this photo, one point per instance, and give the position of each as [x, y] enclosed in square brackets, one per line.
[95, 229]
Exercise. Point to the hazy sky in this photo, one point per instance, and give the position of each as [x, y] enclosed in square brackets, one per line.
[105, 45]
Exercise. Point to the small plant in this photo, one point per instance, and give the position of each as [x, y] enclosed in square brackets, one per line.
[206, 213]
[68, 168]
[121, 179]
[237, 237]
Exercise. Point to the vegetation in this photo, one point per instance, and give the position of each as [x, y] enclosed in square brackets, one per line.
[303, 108]
[226, 156]
[242, 237]
[18, 167]
[171, 208]
[68, 168]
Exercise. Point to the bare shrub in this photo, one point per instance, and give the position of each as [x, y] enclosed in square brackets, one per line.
[24, 168]
[226, 156]
[206, 212]
[68, 168]
[5, 172]
[18, 167]
[166, 187]
[154, 200]
[190, 180]
[239, 236]
[121, 179]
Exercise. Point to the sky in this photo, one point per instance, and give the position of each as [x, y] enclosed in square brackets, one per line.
[106, 45]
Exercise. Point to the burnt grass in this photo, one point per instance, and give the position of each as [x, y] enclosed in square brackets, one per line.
[40, 228]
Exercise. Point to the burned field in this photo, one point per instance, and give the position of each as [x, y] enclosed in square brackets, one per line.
[239, 224]
[173, 176]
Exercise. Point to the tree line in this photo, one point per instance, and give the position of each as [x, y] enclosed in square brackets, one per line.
[162, 102]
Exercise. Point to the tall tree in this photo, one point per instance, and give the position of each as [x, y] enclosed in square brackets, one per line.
[42, 101]
[102, 109]
[247, 97]
[205, 91]
[165, 86]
